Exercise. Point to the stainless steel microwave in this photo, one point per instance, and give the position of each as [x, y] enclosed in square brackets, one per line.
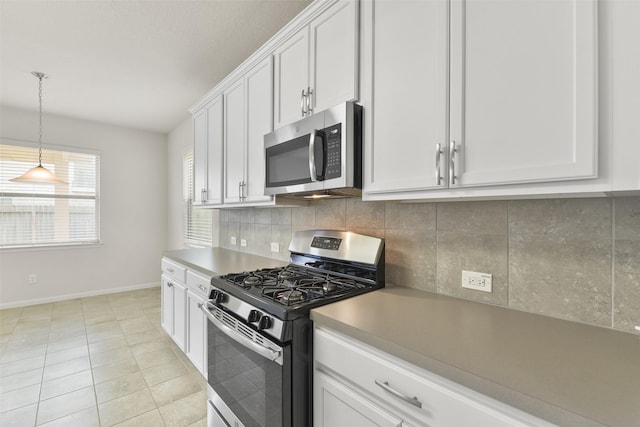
[318, 156]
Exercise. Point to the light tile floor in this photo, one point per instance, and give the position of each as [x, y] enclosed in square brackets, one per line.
[97, 361]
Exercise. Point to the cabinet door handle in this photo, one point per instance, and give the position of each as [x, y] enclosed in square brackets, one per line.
[386, 387]
[169, 284]
[303, 103]
[203, 195]
[439, 153]
[452, 165]
[309, 103]
[202, 287]
[170, 270]
[200, 305]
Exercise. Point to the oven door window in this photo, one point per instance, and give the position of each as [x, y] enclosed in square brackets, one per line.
[249, 383]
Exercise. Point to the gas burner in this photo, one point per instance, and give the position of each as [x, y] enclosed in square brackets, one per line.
[328, 287]
[291, 296]
[252, 281]
[286, 275]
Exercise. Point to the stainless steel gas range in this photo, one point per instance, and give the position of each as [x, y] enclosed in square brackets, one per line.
[260, 340]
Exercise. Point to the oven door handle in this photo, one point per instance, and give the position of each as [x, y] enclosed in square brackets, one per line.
[274, 356]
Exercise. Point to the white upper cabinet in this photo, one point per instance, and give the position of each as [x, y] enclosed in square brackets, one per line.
[248, 115]
[478, 94]
[207, 154]
[317, 67]
[259, 117]
[523, 91]
[406, 96]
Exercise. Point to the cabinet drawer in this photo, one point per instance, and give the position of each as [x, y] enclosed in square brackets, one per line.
[198, 284]
[407, 389]
[173, 270]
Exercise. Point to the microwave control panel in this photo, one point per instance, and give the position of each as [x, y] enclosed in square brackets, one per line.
[334, 151]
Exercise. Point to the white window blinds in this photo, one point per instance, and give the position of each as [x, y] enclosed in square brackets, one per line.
[197, 222]
[43, 214]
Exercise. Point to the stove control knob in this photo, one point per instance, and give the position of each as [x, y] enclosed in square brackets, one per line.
[254, 316]
[220, 297]
[265, 323]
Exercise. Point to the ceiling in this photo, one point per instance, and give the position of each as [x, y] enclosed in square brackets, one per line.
[132, 63]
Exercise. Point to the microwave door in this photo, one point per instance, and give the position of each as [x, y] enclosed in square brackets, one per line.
[288, 167]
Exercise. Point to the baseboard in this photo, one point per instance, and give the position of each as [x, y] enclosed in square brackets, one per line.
[57, 298]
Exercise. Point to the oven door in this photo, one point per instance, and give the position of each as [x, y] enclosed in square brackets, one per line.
[246, 374]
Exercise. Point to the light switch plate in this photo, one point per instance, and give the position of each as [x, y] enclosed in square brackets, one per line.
[476, 281]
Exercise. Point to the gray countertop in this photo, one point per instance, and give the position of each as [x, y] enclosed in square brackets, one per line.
[218, 261]
[568, 373]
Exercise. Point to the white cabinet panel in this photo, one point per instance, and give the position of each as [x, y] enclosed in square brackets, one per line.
[334, 56]
[396, 387]
[523, 90]
[259, 117]
[234, 141]
[406, 78]
[317, 67]
[173, 295]
[338, 406]
[166, 314]
[196, 340]
[291, 77]
[207, 154]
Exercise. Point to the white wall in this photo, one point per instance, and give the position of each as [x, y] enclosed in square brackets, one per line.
[133, 190]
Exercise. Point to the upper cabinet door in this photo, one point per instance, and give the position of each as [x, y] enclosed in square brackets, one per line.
[291, 78]
[334, 56]
[200, 157]
[234, 142]
[523, 91]
[259, 117]
[215, 143]
[405, 86]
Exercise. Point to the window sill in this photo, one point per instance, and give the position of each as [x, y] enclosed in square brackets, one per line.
[56, 246]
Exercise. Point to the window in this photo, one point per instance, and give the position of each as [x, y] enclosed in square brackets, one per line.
[197, 222]
[34, 214]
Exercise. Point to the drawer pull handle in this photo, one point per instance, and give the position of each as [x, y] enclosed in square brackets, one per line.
[386, 387]
[170, 270]
[202, 287]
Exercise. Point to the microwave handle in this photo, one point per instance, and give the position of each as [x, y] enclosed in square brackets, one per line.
[313, 171]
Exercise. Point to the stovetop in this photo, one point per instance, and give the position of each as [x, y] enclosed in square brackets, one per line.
[326, 266]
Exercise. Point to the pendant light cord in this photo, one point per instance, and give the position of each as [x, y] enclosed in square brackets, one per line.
[40, 77]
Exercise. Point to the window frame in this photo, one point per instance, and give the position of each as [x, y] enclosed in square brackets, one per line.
[188, 206]
[98, 205]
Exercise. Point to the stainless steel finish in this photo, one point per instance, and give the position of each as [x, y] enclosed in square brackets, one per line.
[302, 103]
[312, 156]
[169, 284]
[170, 270]
[452, 170]
[438, 157]
[386, 387]
[240, 190]
[218, 413]
[346, 183]
[354, 247]
[242, 334]
[243, 185]
[242, 309]
[204, 288]
[200, 305]
[309, 104]
[203, 195]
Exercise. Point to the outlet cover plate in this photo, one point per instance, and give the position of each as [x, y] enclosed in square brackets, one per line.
[243, 243]
[476, 281]
[275, 247]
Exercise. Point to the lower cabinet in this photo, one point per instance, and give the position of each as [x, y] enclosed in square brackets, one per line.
[183, 294]
[173, 297]
[357, 384]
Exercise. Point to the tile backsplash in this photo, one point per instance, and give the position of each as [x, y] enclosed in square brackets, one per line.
[575, 259]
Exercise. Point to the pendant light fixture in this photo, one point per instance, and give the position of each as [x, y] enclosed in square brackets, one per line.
[39, 173]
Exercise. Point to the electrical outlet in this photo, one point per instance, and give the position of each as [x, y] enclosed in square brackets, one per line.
[233, 240]
[275, 247]
[243, 242]
[476, 281]
[33, 279]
